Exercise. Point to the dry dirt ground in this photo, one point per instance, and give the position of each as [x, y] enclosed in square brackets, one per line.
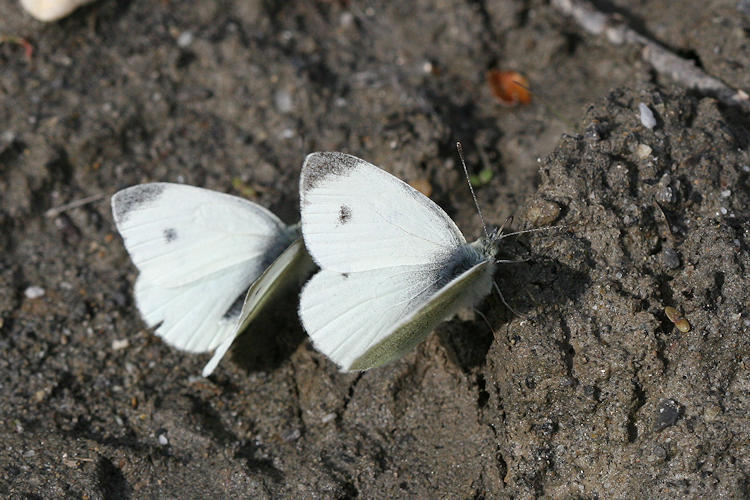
[592, 393]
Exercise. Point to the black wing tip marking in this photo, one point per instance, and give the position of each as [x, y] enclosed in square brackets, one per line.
[318, 166]
[125, 201]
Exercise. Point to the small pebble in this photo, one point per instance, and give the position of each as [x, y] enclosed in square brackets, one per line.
[118, 344]
[726, 193]
[672, 313]
[185, 39]
[291, 435]
[34, 292]
[283, 101]
[328, 418]
[659, 453]
[668, 413]
[675, 317]
[643, 151]
[712, 413]
[542, 213]
[7, 137]
[682, 325]
[647, 116]
[163, 440]
[46, 10]
[670, 258]
[665, 194]
[346, 20]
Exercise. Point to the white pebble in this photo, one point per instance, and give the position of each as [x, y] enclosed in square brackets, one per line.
[163, 440]
[643, 151]
[283, 100]
[726, 193]
[327, 418]
[34, 292]
[120, 344]
[346, 19]
[185, 39]
[723, 211]
[8, 136]
[52, 10]
[647, 116]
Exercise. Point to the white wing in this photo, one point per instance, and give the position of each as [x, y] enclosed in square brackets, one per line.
[366, 319]
[357, 217]
[197, 252]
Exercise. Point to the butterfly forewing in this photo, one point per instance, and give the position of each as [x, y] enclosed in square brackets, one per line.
[357, 217]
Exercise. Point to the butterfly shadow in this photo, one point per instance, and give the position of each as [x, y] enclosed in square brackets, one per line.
[529, 287]
[272, 337]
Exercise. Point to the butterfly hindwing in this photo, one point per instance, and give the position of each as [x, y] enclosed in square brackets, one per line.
[463, 291]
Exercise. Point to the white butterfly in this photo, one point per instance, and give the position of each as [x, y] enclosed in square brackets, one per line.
[208, 262]
[393, 264]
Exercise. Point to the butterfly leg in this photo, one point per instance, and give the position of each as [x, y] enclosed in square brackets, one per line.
[481, 315]
[497, 289]
[514, 261]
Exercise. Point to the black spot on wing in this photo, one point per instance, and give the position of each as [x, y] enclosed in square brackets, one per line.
[170, 234]
[345, 213]
[125, 201]
[318, 166]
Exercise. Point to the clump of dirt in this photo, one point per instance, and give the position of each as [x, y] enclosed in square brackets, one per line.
[601, 393]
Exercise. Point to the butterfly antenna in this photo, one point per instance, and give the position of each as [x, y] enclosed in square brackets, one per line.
[535, 230]
[460, 149]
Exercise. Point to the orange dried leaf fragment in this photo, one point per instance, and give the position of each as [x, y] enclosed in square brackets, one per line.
[510, 88]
